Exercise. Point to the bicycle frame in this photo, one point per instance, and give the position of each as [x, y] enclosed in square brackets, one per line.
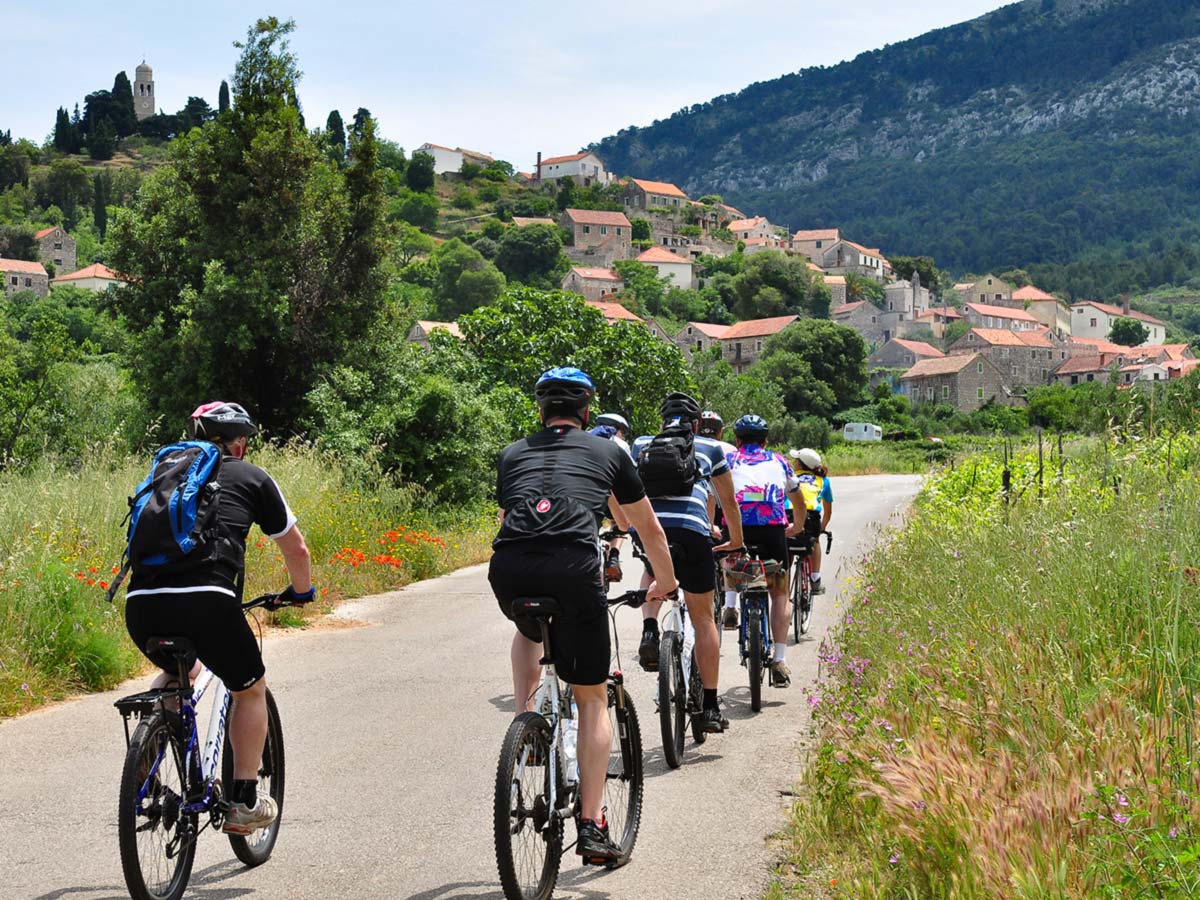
[759, 597]
[678, 620]
[213, 745]
[549, 702]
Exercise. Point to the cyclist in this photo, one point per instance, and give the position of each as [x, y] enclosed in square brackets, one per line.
[686, 522]
[763, 481]
[818, 497]
[553, 488]
[712, 426]
[619, 424]
[205, 605]
[614, 427]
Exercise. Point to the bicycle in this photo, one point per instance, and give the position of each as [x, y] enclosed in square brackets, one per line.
[606, 539]
[680, 695]
[168, 782]
[753, 630]
[800, 547]
[537, 786]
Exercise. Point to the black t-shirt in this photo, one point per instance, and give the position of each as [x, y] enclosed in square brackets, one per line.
[554, 485]
[249, 496]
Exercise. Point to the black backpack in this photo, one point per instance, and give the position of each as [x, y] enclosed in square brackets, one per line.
[667, 465]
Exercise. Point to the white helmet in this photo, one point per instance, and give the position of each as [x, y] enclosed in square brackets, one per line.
[809, 458]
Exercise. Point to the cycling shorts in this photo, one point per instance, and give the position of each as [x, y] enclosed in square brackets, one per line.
[812, 524]
[692, 557]
[213, 621]
[571, 574]
[766, 541]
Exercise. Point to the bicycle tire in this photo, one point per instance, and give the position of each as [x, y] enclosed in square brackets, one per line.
[754, 656]
[672, 698]
[623, 788]
[157, 735]
[718, 604]
[806, 608]
[529, 734]
[255, 849]
[696, 690]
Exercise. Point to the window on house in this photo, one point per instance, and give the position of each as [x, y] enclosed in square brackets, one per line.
[618, 231]
[979, 393]
[58, 261]
[971, 337]
[28, 282]
[58, 245]
[604, 229]
[872, 320]
[737, 350]
[979, 367]
[14, 279]
[700, 345]
[929, 393]
[818, 245]
[587, 229]
[1091, 377]
[1074, 379]
[999, 296]
[945, 392]
[758, 346]
[1014, 371]
[1093, 323]
[983, 298]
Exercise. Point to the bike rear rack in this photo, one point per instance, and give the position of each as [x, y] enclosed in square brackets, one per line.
[146, 703]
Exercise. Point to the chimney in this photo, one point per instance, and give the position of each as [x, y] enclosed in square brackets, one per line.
[537, 173]
[1125, 303]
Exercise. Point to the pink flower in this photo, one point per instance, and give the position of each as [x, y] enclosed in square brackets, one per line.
[1119, 818]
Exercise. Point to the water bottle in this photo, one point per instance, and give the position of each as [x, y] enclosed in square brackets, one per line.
[571, 744]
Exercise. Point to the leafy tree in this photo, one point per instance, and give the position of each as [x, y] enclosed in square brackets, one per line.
[67, 186]
[160, 126]
[17, 242]
[954, 331]
[640, 230]
[530, 255]
[772, 283]
[100, 106]
[15, 165]
[565, 198]
[31, 373]
[820, 366]
[859, 288]
[335, 137]
[223, 97]
[418, 209]
[464, 198]
[464, 279]
[419, 173]
[272, 274]
[194, 113]
[361, 117]
[469, 170]
[124, 119]
[718, 388]
[391, 156]
[410, 243]
[102, 140]
[1128, 332]
[904, 266]
[642, 285]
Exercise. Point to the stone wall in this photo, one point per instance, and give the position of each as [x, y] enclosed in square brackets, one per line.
[58, 248]
[15, 282]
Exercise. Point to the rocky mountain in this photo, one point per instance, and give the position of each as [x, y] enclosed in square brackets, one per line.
[1042, 132]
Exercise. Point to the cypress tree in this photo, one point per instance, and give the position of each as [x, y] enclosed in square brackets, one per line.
[335, 134]
[223, 98]
[100, 191]
[124, 120]
[64, 140]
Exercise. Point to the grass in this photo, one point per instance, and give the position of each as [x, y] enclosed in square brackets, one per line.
[1007, 709]
[61, 534]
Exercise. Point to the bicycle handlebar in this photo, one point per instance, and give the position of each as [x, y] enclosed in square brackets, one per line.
[607, 536]
[632, 599]
[271, 602]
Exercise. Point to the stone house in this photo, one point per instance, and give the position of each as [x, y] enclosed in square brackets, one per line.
[863, 317]
[22, 275]
[986, 315]
[758, 227]
[965, 381]
[814, 242]
[97, 277]
[1141, 374]
[422, 328]
[899, 353]
[592, 283]
[1023, 357]
[908, 298]
[846, 257]
[658, 331]
[1083, 368]
[653, 196]
[837, 289]
[1090, 319]
[682, 272]
[938, 318]
[696, 337]
[743, 343]
[58, 247]
[988, 290]
[584, 168]
[600, 237]
[1046, 308]
[451, 159]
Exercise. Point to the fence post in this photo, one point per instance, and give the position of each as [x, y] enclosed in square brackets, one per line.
[1040, 464]
[1061, 464]
[1006, 476]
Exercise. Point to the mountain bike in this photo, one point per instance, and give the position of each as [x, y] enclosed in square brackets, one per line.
[749, 576]
[537, 785]
[680, 695]
[169, 782]
[799, 549]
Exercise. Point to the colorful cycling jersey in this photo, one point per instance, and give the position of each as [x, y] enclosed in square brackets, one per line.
[816, 491]
[761, 482]
[689, 512]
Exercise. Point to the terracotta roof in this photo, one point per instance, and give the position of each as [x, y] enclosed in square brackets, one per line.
[759, 327]
[1099, 345]
[1077, 364]
[1171, 351]
[946, 365]
[710, 330]
[432, 146]
[813, 267]
[758, 241]
[1038, 338]
[522, 221]
[96, 270]
[964, 285]
[475, 153]
[870, 251]
[730, 209]
[662, 255]
[948, 312]
[658, 187]
[596, 273]
[428, 326]
[562, 159]
[597, 217]
[1029, 292]
[835, 279]
[45, 231]
[1001, 312]
[818, 234]
[613, 311]
[1002, 337]
[24, 266]
[746, 224]
[919, 347]
[847, 308]
[1117, 311]
[1181, 367]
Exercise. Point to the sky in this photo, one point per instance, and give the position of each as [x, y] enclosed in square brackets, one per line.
[507, 80]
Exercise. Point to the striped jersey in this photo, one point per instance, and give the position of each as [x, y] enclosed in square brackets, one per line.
[689, 512]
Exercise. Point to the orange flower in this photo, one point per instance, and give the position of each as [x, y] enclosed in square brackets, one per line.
[91, 581]
[104, 585]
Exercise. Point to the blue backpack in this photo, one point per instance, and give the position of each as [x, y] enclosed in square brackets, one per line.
[172, 514]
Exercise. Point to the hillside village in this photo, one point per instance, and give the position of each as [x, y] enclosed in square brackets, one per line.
[984, 341]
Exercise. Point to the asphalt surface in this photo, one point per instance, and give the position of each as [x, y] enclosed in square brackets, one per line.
[392, 732]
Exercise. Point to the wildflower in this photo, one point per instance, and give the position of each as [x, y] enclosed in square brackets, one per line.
[1119, 818]
[894, 858]
[104, 585]
[25, 688]
[1173, 833]
[1122, 800]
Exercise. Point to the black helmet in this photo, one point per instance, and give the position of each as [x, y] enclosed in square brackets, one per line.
[219, 420]
[711, 423]
[564, 391]
[679, 405]
[750, 426]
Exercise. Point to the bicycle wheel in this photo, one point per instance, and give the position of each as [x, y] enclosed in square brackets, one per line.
[672, 698]
[718, 604]
[528, 837]
[255, 849]
[623, 783]
[754, 655]
[157, 838]
[806, 602]
[696, 702]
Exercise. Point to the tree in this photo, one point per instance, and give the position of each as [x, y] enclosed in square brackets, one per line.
[102, 141]
[410, 243]
[904, 266]
[531, 254]
[66, 135]
[101, 194]
[361, 117]
[1128, 333]
[419, 173]
[820, 366]
[859, 287]
[18, 242]
[335, 137]
[223, 97]
[194, 113]
[254, 261]
[123, 117]
[642, 285]
[772, 283]
[67, 186]
[418, 209]
[15, 165]
[464, 279]
[469, 170]
[640, 230]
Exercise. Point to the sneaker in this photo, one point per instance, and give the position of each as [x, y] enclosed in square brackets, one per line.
[594, 844]
[648, 651]
[731, 619]
[818, 587]
[781, 675]
[714, 722]
[243, 820]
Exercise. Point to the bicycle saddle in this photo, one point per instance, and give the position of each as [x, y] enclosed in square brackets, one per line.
[536, 607]
[170, 646]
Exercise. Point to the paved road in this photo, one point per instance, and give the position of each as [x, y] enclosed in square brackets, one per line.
[392, 732]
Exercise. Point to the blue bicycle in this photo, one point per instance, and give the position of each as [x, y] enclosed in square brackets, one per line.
[169, 783]
[748, 575]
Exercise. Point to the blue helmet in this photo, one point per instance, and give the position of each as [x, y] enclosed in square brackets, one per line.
[603, 431]
[565, 388]
[751, 426]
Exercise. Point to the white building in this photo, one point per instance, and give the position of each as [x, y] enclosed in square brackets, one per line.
[670, 265]
[446, 159]
[586, 168]
[97, 277]
[1090, 319]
